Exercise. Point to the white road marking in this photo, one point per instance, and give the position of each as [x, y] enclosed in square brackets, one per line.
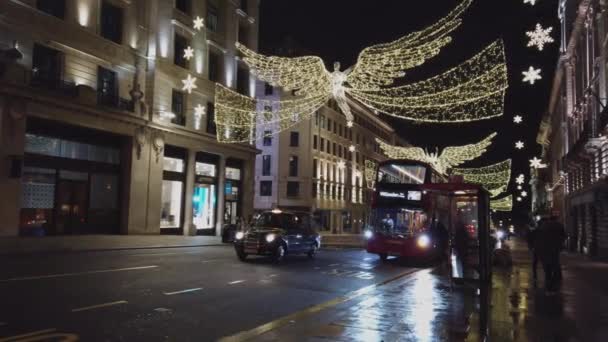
[182, 291]
[162, 310]
[34, 333]
[100, 306]
[207, 261]
[367, 259]
[157, 254]
[236, 282]
[77, 273]
[272, 275]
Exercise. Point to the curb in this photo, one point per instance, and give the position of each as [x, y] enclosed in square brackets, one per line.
[68, 250]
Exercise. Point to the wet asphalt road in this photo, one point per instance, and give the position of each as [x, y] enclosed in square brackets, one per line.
[171, 294]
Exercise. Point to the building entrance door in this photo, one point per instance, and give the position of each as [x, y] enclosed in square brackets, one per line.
[71, 206]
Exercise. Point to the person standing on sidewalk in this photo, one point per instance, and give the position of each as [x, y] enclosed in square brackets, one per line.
[531, 238]
[548, 244]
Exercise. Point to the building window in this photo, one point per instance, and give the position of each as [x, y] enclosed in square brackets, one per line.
[293, 189]
[183, 5]
[178, 107]
[46, 66]
[111, 22]
[322, 145]
[340, 130]
[242, 81]
[314, 190]
[328, 145]
[315, 170]
[335, 127]
[265, 188]
[266, 164]
[107, 89]
[267, 138]
[268, 89]
[55, 8]
[174, 167]
[244, 6]
[334, 150]
[329, 124]
[322, 121]
[214, 66]
[212, 17]
[180, 44]
[293, 166]
[315, 142]
[294, 139]
[211, 129]
[340, 151]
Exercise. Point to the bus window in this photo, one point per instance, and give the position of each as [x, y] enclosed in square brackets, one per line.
[400, 173]
[399, 221]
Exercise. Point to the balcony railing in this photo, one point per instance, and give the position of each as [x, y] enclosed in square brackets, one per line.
[114, 102]
[55, 85]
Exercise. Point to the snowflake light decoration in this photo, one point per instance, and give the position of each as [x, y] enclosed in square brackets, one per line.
[519, 199]
[519, 145]
[352, 148]
[537, 163]
[524, 194]
[189, 84]
[519, 187]
[199, 111]
[531, 2]
[539, 37]
[521, 179]
[199, 23]
[188, 53]
[532, 75]
[518, 119]
[471, 91]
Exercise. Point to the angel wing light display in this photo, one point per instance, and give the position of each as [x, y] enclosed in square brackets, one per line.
[495, 178]
[471, 91]
[449, 158]
[502, 204]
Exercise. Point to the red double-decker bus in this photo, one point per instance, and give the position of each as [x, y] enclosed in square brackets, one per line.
[402, 213]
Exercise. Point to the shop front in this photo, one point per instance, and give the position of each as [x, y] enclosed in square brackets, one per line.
[172, 195]
[70, 181]
[204, 199]
[232, 191]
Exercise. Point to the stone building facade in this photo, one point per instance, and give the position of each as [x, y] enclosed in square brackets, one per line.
[318, 165]
[573, 131]
[97, 132]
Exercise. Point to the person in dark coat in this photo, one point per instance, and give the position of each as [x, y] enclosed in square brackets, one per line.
[548, 244]
[531, 237]
[440, 234]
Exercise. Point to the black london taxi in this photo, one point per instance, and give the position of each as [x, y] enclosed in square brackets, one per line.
[277, 233]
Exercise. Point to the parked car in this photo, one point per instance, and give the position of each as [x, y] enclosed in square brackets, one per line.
[277, 234]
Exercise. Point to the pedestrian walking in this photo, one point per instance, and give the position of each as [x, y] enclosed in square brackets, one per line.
[531, 238]
[548, 244]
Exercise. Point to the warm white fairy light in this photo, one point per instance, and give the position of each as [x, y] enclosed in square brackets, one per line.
[502, 204]
[519, 199]
[519, 187]
[450, 156]
[519, 145]
[471, 91]
[188, 53]
[537, 163]
[531, 2]
[199, 111]
[539, 37]
[189, 84]
[349, 124]
[494, 178]
[532, 75]
[199, 23]
[518, 119]
[352, 148]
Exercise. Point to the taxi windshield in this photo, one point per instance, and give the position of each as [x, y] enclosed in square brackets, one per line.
[399, 221]
[276, 220]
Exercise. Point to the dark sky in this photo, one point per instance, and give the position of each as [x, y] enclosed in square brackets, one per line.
[340, 29]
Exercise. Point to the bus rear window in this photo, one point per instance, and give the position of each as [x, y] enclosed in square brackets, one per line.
[401, 174]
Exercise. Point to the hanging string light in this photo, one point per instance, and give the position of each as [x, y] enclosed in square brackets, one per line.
[502, 204]
[450, 156]
[370, 173]
[495, 178]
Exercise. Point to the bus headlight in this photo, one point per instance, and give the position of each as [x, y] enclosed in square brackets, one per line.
[423, 241]
[239, 235]
[270, 238]
[368, 234]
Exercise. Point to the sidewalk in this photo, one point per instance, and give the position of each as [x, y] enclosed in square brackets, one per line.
[47, 244]
[422, 307]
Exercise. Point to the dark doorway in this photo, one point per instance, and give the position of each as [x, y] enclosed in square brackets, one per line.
[71, 206]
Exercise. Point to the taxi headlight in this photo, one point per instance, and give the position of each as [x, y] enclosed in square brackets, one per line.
[368, 234]
[270, 237]
[423, 241]
[500, 234]
[239, 235]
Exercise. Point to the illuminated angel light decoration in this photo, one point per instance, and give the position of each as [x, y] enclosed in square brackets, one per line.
[494, 178]
[539, 37]
[532, 75]
[449, 158]
[370, 173]
[502, 204]
[471, 91]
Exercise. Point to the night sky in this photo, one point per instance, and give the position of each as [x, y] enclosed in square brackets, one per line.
[340, 29]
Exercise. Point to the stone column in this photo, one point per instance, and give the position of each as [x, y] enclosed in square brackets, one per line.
[221, 185]
[12, 142]
[187, 225]
[248, 187]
